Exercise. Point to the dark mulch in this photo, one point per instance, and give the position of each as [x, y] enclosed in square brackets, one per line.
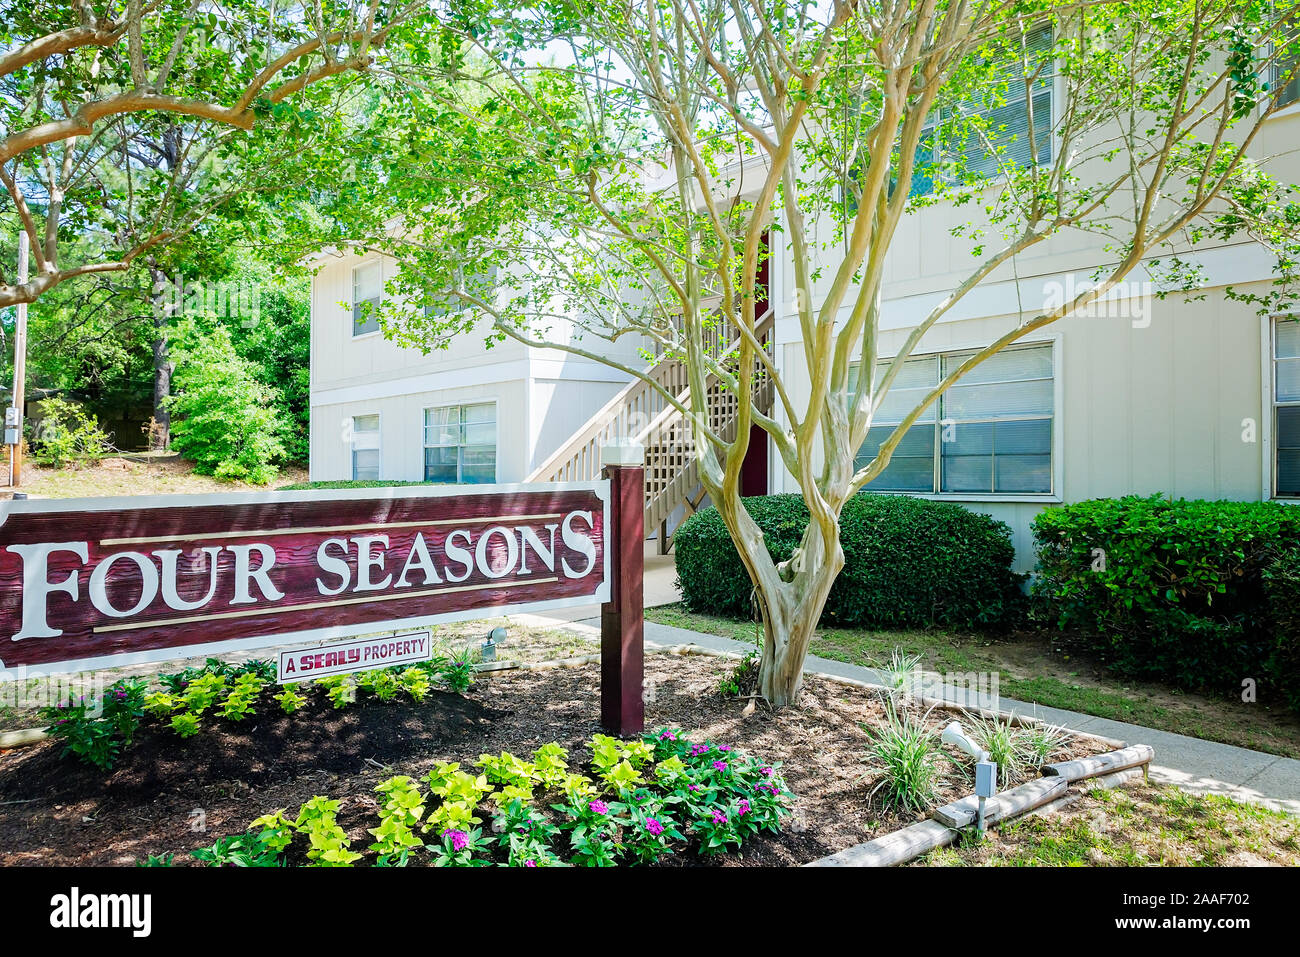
[260, 750]
[233, 773]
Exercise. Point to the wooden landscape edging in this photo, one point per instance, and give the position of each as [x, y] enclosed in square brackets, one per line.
[1050, 791]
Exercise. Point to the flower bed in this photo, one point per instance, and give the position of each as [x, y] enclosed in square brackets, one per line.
[235, 772]
[632, 802]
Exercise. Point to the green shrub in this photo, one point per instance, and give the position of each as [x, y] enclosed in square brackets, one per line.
[907, 562]
[1180, 590]
[66, 433]
[1282, 607]
[225, 420]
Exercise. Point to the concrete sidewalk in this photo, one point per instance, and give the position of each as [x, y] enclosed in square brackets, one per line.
[1201, 767]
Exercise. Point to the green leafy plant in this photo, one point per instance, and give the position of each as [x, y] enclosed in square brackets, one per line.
[457, 848]
[238, 850]
[241, 696]
[98, 731]
[66, 433]
[593, 828]
[1174, 589]
[527, 836]
[156, 860]
[506, 769]
[742, 679]
[457, 675]
[551, 766]
[289, 700]
[224, 419]
[274, 830]
[415, 683]
[203, 690]
[329, 845]
[402, 810]
[186, 724]
[907, 755]
[339, 690]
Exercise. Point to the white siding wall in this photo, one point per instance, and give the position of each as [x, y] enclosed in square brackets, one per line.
[1141, 410]
[542, 396]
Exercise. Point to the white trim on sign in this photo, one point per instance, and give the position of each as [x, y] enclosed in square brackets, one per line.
[599, 595]
[112, 503]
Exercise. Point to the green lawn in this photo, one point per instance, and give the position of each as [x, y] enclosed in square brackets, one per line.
[1136, 826]
[1036, 668]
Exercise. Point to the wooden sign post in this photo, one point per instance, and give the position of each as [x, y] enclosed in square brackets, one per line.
[622, 617]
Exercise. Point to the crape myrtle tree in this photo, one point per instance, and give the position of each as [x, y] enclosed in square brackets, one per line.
[567, 174]
[135, 120]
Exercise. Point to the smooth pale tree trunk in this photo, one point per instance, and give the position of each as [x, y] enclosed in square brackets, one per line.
[791, 598]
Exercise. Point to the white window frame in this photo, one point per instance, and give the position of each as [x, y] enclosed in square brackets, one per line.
[1056, 495]
[496, 445]
[376, 263]
[1268, 429]
[352, 445]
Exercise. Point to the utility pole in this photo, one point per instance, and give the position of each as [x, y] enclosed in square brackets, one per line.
[20, 374]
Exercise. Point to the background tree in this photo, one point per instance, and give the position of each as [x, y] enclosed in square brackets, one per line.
[618, 163]
[112, 113]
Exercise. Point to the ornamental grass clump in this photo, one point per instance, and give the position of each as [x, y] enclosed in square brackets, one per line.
[1004, 742]
[907, 756]
[1042, 743]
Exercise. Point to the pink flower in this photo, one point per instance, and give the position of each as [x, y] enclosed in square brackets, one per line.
[744, 808]
[459, 839]
[719, 817]
[653, 826]
[598, 807]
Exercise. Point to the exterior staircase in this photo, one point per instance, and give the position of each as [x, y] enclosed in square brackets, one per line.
[641, 414]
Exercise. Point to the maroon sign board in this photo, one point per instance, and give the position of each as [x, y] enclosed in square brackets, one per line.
[93, 583]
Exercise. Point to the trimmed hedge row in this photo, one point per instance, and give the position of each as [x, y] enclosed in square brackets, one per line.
[1206, 594]
[908, 562]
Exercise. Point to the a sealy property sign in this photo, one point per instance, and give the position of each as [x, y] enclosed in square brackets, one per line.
[97, 582]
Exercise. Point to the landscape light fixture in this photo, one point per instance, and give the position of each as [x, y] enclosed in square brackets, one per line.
[986, 771]
[489, 647]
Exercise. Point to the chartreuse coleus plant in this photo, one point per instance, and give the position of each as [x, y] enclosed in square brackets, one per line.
[644, 799]
[233, 693]
[329, 845]
[402, 810]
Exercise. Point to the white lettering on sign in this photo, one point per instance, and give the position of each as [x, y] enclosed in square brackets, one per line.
[124, 584]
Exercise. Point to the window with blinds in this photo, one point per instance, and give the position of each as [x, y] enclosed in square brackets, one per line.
[367, 287]
[365, 447]
[460, 444]
[989, 433]
[1011, 125]
[1286, 77]
[1286, 407]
